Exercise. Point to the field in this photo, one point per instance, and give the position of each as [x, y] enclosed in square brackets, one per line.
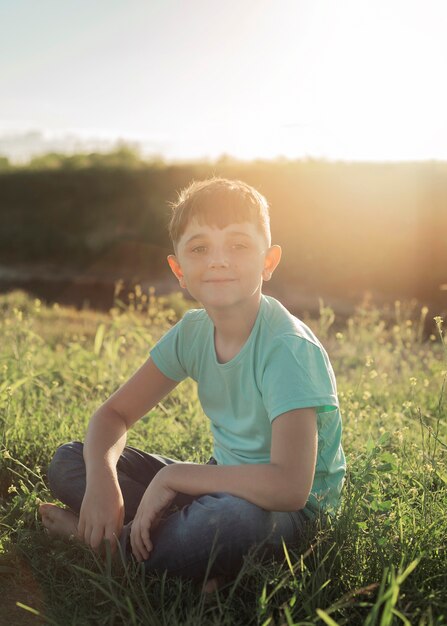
[382, 562]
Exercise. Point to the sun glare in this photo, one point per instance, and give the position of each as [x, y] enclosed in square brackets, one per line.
[358, 81]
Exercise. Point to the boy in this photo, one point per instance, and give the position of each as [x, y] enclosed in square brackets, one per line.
[266, 384]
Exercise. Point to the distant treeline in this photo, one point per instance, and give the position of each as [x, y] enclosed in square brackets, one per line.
[344, 227]
[123, 155]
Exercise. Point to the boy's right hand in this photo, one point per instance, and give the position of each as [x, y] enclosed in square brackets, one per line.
[101, 515]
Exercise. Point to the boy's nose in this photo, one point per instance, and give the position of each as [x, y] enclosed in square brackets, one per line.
[219, 261]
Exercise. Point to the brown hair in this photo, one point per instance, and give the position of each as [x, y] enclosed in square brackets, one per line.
[218, 202]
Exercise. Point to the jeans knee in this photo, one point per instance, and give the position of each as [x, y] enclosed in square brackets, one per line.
[60, 470]
[244, 524]
[216, 530]
[224, 505]
[236, 521]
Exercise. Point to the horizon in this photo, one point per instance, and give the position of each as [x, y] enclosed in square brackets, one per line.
[89, 146]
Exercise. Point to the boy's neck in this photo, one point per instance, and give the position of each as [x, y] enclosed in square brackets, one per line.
[233, 325]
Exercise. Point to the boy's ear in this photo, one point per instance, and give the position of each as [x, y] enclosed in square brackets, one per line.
[271, 262]
[177, 270]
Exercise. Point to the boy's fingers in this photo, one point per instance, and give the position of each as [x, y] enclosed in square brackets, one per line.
[81, 529]
[84, 531]
[143, 553]
[112, 543]
[146, 540]
[133, 544]
[112, 537]
[86, 534]
[96, 537]
[138, 548]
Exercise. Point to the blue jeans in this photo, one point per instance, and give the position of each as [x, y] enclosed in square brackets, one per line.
[219, 525]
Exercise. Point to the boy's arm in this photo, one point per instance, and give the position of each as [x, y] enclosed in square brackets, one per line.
[284, 484]
[102, 510]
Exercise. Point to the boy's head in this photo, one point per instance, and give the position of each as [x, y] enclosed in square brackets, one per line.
[221, 234]
[219, 202]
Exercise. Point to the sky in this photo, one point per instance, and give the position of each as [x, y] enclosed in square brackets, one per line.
[334, 79]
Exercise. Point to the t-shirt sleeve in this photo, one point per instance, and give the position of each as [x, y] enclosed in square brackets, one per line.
[167, 352]
[298, 374]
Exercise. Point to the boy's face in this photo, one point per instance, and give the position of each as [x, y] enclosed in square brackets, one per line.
[223, 267]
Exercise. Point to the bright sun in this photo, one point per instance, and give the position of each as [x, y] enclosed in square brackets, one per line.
[351, 80]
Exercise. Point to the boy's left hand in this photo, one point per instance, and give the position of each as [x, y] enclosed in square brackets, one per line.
[156, 499]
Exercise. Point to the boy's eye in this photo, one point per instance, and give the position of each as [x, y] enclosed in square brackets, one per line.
[199, 249]
[239, 246]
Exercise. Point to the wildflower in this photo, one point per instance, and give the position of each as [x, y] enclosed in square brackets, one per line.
[339, 336]
[373, 374]
[369, 361]
[413, 381]
[399, 436]
[366, 395]
[432, 337]
[438, 319]
[429, 468]
[12, 489]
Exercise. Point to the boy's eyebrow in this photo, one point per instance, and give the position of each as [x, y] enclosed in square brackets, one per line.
[199, 236]
[231, 234]
[240, 234]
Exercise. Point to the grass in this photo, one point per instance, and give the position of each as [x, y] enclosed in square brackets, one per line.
[382, 562]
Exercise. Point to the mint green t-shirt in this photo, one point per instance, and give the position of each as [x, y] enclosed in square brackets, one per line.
[282, 366]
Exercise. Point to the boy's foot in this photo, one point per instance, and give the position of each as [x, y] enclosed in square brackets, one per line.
[58, 522]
